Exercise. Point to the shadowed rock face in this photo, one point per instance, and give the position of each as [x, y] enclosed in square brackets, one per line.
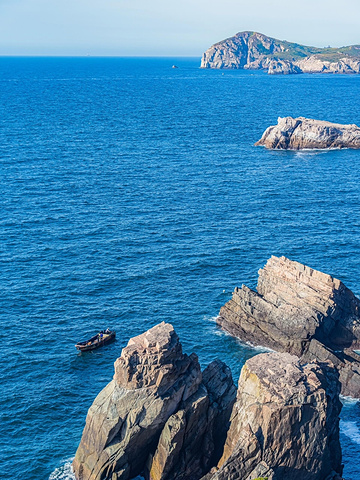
[295, 307]
[193, 438]
[255, 51]
[158, 413]
[299, 133]
[285, 422]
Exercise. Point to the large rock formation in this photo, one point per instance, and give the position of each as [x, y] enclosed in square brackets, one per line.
[298, 310]
[158, 415]
[285, 422]
[162, 418]
[255, 51]
[298, 133]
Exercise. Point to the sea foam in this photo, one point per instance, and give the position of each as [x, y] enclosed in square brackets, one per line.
[351, 430]
[64, 472]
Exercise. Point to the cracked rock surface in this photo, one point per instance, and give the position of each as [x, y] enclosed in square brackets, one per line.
[163, 418]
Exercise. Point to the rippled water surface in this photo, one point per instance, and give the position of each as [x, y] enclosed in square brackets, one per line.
[131, 193]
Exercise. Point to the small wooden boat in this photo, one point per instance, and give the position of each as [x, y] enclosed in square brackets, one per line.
[99, 340]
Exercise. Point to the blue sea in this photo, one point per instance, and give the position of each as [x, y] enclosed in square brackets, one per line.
[131, 193]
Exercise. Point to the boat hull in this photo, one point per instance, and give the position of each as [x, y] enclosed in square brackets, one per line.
[83, 347]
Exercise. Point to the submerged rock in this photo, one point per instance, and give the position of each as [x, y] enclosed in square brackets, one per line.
[285, 422]
[299, 133]
[158, 414]
[293, 307]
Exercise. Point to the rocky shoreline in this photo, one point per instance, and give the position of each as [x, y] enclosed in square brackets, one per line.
[255, 51]
[163, 418]
[305, 133]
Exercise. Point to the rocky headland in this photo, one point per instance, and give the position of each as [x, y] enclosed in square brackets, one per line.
[302, 311]
[255, 51]
[163, 418]
[305, 133]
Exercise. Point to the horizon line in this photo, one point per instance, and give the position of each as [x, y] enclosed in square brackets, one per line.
[45, 55]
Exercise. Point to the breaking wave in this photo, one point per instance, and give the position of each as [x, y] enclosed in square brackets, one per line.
[351, 430]
[64, 472]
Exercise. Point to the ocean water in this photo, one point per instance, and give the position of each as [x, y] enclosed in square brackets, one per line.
[131, 193]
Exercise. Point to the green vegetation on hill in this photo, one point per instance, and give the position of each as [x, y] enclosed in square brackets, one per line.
[294, 51]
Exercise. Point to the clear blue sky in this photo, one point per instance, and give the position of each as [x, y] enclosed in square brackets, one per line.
[167, 27]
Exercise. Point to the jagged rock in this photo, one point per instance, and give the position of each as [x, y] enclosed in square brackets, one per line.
[193, 438]
[157, 393]
[293, 306]
[255, 51]
[179, 451]
[285, 422]
[298, 133]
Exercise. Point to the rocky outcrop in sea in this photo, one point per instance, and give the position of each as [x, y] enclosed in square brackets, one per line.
[285, 422]
[302, 311]
[159, 415]
[300, 133]
[163, 418]
[255, 51]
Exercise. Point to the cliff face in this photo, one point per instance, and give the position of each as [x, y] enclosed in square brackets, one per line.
[255, 51]
[293, 308]
[298, 133]
[285, 422]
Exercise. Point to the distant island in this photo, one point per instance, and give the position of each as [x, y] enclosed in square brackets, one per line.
[255, 51]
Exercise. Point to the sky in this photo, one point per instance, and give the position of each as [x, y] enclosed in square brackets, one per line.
[167, 27]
